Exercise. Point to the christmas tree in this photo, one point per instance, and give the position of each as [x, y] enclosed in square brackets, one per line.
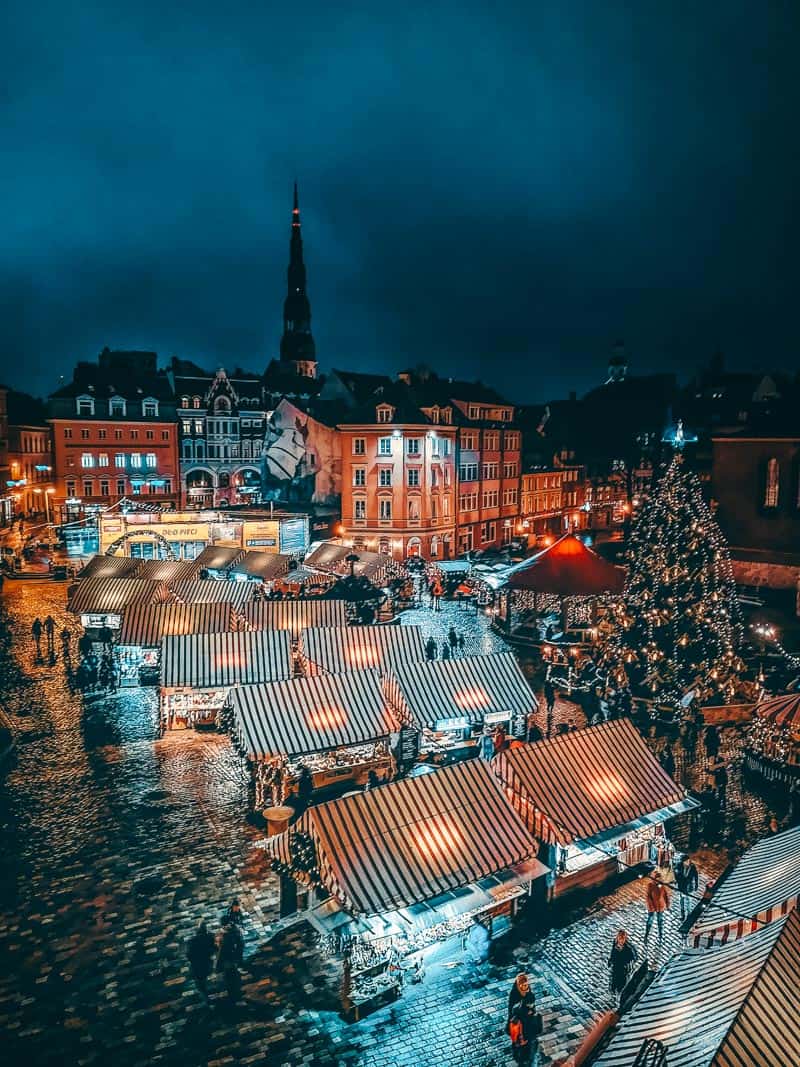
[678, 626]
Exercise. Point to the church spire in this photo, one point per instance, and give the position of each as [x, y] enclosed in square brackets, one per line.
[297, 343]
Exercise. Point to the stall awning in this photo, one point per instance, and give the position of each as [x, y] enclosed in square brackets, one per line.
[144, 625]
[311, 714]
[466, 688]
[294, 615]
[323, 555]
[782, 710]
[102, 596]
[212, 591]
[218, 558]
[414, 839]
[208, 661]
[331, 557]
[109, 567]
[166, 570]
[587, 781]
[265, 565]
[567, 568]
[734, 1005]
[763, 885]
[334, 649]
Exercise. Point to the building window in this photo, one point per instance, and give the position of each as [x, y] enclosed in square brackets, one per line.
[509, 497]
[102, 459]
[85, 405]
[150, 435]
[474, 411]
[167, 485]
[117, 435]
[116, 406]
[359, 446]
[136, 459]
[150, 460]
[413, 477]
[84, 435]
[512, 441]
[384, 446]
[165, 435]
[184, 401]
[87, 459]
[468, 502]
[150, 408]
[187, 426]
[385, 509]
[469, 441]
[119, 460]
[198, 425]
[359, 476]
[134, 435]
[359, 508]
[490, 471]
[195, 401]
[120, 487]
[446, 507]
[468, 472]
[384, 413]
[68, 433]
[188, 449]
[413, 446]
[413, 509]
[101, 435]
[490, 498]
[71, 488]
[488, 532]
[385, 477]
[491, 441]
[509, 470]
[772, 487]
[105, 487]
[87, 487]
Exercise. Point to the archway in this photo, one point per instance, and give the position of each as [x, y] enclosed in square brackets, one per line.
[248, 483]
[434, 546]
[147, 534]
[413, 547]
[199, 486]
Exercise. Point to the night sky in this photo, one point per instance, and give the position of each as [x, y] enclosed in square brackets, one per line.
[500, 191]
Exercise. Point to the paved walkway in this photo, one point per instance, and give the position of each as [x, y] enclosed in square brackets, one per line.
[115, 844]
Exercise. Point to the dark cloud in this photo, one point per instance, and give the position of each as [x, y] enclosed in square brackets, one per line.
[498, 191]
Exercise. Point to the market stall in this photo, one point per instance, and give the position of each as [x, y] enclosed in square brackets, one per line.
[217, 560]
[294, 615]
[108, 567]
[198, 671]
[260, 566]
[166, 570]
[734, 1005]
[138, 648]
[192, 591]
[337, 726]
[392, 874]
[101, 602]
[772, 749]
[458, 704]
[763, 886]
[597, 797]
[334, 649]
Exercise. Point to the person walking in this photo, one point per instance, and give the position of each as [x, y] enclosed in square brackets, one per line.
[430, 649]
[229, 960]
[550, 701]
[50, 630]
[66, 638]
[452, 638]
[445, 650]
[36, 630]
[200, 952]
[657, 902]
[234, 916]
[524, 1024]
[621, 960]
[436, 594]
[721, 783]
[686, 882]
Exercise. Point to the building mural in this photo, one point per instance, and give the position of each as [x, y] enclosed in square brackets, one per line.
[301, 461]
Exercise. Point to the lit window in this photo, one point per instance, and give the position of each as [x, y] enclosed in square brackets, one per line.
[150, 460]
[119, 460]
[116, 406]
[385, 510]
[413, 509]
[772, 486]
[84, 435]
[67, 432]
[385, 446]
[360, 509]
[413, 477]
[359, 446]
[195, 401]
[136, 459]
[198, 425]
[187, 426]
[359, 476]
[384, 413]
[385, 477]
[413, 446]
[102, 459]
[150, 408]
[87, 459]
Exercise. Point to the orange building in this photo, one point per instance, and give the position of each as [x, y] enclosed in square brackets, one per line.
[114, 434]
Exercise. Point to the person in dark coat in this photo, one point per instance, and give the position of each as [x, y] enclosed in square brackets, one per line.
[445, 650]
[234, 916]
[522, 1007]
[201, 956]
[36, 630]
[621, 960]
[430, 649]
[452, 637]
[50, 630]
[229, 960]
[686, 882]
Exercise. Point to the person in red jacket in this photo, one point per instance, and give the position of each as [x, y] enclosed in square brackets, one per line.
[657, 901]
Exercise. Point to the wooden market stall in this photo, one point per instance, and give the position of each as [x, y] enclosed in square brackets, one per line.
[260, 566]
[198, 671]
[217, 560]
[733, 1005]
[108, 567]
[772, 749]
[394, 873]
[166, 570]
[763, 886]
[294, 615]
[597, 798]
[138, 648]
[334, 649]
[458, 704]
[209, 591]
[102, 601]
[338, 726]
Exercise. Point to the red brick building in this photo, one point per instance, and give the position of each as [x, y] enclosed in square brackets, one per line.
[114, 434]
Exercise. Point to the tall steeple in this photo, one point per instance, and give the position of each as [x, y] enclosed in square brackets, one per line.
[297, 343]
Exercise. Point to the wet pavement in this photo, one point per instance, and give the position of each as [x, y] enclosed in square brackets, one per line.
[115, 843]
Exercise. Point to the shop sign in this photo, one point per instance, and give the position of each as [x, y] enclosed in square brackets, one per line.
[294, 535]
[260, 542]
[519, 723]
[452, 724]
[408, 749]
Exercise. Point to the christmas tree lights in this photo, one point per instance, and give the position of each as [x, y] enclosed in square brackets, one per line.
[677, 626]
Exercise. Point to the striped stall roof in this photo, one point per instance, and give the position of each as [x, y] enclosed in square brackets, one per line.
[413, 839]
[699, 1006]
[781, 711]
[469, 687]
[324, 555]
[332, 558]
[764, 885]
[294, 615]
[166, 570]
[334, 649]
[100, 596]
[311, 714]
[586, 781]
[208, 661]
[218, 558]
[109, 567]
[265, 565]
[213, 591]
[144, 625]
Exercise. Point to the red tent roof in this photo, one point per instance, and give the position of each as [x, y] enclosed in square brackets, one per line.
[568, 568]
